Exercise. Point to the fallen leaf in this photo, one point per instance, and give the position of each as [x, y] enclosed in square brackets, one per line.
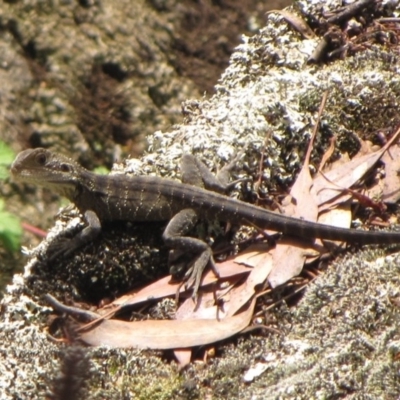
[164, 287]
[163, 335]
[240, 295]
[340, 216]
[231, 299]
[366, 147]
[335, 202]
[288, 259]
[205, 308]
[328, 153]
[391, 186]
[325, 188]
[253, 255]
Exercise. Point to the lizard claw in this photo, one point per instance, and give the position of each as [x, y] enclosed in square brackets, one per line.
[194, 274]
[60, 247]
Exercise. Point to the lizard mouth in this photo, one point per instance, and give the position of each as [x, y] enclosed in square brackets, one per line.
[17, 170]
[25, 175]
[18, 173]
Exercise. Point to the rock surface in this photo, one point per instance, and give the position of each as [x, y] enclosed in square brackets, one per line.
[342, 339]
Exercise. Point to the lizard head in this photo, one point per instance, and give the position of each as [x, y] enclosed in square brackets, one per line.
[45, 168]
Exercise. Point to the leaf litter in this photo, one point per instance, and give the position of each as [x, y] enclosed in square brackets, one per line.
[288, 259]
[225, 306]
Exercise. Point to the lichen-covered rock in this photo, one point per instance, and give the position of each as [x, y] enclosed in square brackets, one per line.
[105, 76]
[342, 339]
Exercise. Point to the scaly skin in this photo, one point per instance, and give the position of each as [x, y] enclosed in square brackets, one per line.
[147, 198]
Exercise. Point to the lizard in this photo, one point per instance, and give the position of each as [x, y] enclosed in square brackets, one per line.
[200, 195]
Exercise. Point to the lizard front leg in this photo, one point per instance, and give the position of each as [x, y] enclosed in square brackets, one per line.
[196, 173]
[174, 237]
[65, 246]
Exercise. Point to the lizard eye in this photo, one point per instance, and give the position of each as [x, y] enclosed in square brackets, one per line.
[65, 168]
[41, 159]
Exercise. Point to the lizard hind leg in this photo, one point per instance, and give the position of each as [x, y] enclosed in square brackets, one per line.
[174, 237]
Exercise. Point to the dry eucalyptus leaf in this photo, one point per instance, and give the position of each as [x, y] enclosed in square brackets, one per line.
[288, 258]
[240, 295]
[391, 184]
[165, 335]
[235, 297]
[302, 203]
[204, 308]
[253, 255]
[340, 216]
[387, 188]
[163, 287]
[328, 186]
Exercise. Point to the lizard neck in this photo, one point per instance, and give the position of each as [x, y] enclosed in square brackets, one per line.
[76, 191]
[90, 192]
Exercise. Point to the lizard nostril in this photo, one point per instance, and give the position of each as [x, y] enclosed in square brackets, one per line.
[65, 168]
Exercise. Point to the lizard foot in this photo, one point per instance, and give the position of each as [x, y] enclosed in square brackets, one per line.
[194, 274]
[61, 247]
